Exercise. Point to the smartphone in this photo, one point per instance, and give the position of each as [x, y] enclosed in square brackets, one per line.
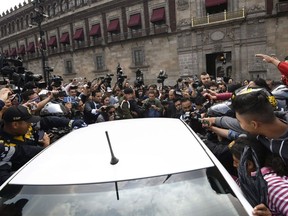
[40, 134]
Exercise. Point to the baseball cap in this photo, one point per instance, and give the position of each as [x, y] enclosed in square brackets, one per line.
[19, 113]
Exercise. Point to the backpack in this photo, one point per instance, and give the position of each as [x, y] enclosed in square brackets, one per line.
[255, 188]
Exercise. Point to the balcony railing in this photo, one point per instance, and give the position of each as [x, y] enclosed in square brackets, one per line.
[219, 17]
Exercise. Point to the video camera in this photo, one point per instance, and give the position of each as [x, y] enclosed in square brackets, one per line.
[13, 72]
[106, 80]
[56, 80]
[120, 76]
[139, 78]
[197, 84]
[161, 77]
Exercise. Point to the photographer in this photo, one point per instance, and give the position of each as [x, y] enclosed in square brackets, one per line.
[74, 103]
[190, 116]
[124, 109]
[121, 78]
[152, 106]
[33, 101]
[107, 114]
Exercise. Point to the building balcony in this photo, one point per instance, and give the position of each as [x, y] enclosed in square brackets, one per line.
[282, 7]
[218, 18]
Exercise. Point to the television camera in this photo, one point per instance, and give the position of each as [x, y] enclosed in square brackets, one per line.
[106, 80]
[162, 76]
[120, 76]
[139, 79]
[14, 73]
[56, 80]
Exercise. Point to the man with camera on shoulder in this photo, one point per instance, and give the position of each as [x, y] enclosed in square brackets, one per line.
[152, 105]
[191, 117]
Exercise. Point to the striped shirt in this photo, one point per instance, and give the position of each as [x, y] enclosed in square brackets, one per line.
[277, 192]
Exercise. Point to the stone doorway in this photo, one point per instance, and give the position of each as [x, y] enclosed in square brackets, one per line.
[219, 65]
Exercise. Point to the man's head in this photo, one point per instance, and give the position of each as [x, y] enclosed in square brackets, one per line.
[253, 110]
[96, 96]
[177, 103]
[212, 85]
[128, 93]
[73, 91]
[30, 95]
[237, 150]
[171, 94]
[205, 78]
[151, 95]
[18, 119]
[186, 105]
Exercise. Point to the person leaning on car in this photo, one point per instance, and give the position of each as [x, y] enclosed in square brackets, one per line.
[17, 145]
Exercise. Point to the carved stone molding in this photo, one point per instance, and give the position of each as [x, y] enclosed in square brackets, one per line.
[218, 47]
[255, 8]
[230, 34]
[182, 5]
[184, 22]
[217, 35]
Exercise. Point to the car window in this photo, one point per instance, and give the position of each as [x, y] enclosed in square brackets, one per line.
[198, 192]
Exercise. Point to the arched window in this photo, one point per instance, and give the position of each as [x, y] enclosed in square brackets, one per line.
[64, 5]
[55, 9]
[9, 28]
[48, 10]
[78, 2]
[13, 27]
[71, 3]
[5, 30]
[17, 25]
[31, 16]
[21, 23]
[27, 20]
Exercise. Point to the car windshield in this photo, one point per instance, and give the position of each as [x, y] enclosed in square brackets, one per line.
[199, 192]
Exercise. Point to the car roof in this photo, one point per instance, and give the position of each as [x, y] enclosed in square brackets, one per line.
[145, 147]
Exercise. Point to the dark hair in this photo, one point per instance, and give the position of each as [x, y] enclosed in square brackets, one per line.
[25, 95]
[104, 96]
[233, 87]
[200, 100]
[260, 150]
[185, 100]
[211, 83]
[262, 83]
[93, 93]
[176, 99]
[128, 91]
[254, 103]
[286, 58]
[204, 73]
[265, 157]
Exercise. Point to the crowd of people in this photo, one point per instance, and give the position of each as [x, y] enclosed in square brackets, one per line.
[233, 119]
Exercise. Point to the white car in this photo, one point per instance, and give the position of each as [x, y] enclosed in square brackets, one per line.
[155, 166]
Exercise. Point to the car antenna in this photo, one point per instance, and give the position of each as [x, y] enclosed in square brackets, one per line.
[114, 160]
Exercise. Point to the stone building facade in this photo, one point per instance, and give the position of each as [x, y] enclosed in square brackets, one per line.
[260, 29]
[89, 38]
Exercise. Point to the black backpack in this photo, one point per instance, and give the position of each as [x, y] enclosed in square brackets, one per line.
[254, 187]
